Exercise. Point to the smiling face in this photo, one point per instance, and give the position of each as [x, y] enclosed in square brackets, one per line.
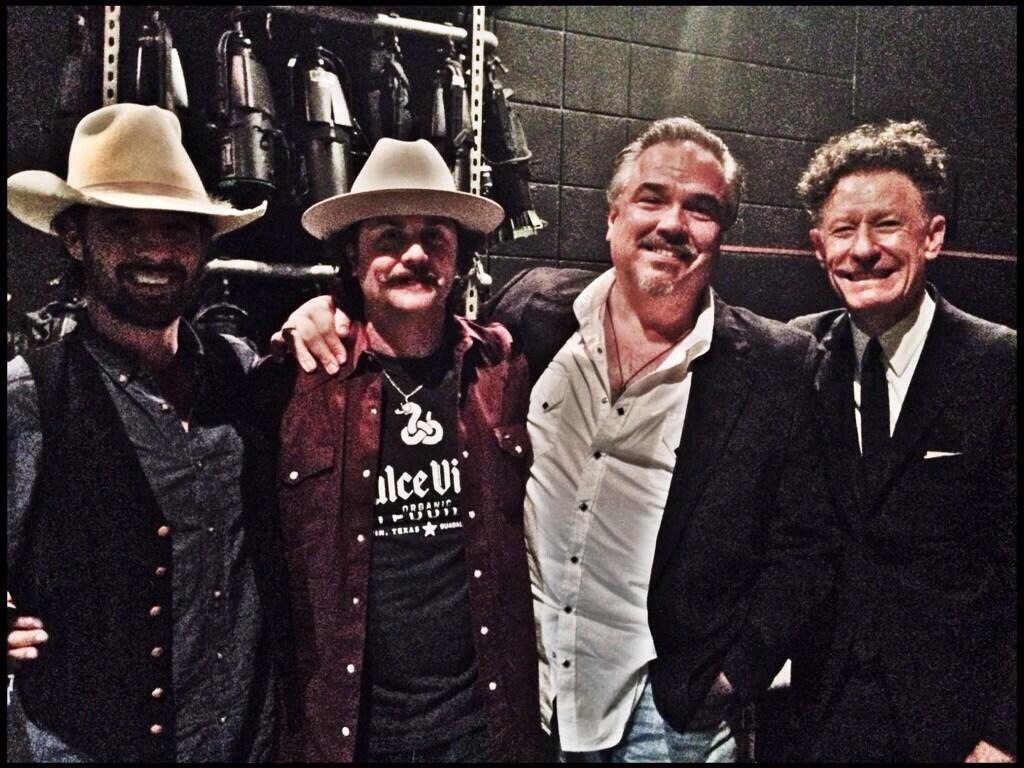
[873, 238]
[664, 227]
[143, 267]
[405, 263]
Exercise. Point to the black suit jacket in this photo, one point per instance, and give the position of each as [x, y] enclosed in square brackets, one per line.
[926, 583]
[741, 555]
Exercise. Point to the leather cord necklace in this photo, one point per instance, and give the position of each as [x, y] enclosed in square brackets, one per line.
[624, 382]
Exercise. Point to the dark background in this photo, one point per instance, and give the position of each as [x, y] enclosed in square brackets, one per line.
[772, 81]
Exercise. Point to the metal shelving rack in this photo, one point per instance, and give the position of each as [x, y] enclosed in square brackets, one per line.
[479, 39]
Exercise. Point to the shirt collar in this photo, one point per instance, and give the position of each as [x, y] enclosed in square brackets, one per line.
[901, 342]
[117, 362]
[466, 336]
[590, 305]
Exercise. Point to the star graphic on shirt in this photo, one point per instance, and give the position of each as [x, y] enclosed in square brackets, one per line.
[428, 529]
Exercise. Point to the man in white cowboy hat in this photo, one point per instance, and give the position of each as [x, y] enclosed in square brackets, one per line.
[400, 485]
[139, 548]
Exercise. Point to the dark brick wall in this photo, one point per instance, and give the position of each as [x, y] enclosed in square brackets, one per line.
[773, 82]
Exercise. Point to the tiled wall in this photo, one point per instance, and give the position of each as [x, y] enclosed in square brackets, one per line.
[773, 82]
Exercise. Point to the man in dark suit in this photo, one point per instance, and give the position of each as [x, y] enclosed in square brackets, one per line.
[919, 663]
[676, 519]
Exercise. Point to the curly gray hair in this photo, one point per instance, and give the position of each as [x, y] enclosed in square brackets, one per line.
[904, 147]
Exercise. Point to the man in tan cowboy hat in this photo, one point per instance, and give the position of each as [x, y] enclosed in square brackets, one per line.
[137, 525]
[400, 485]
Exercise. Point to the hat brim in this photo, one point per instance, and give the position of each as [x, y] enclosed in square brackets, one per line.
[37, 197]
[334, 214]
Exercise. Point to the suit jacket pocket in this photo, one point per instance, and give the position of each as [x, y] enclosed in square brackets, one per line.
[953, 471]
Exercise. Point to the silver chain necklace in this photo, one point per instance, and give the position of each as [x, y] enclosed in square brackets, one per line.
[405, 397]
[425, 430]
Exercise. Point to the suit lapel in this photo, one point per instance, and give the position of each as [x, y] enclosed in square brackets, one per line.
[834, 384]
[721, 384]
[941, 355]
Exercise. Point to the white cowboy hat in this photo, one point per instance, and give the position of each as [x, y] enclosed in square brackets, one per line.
[402, 178]
[123, 156]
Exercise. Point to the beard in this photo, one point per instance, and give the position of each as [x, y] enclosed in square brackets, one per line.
[653, 281]
[657, 281]
[126, 303]
[654, 285]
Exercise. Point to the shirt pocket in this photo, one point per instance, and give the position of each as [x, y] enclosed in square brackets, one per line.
[514, 440]
[312, 461]
[508, 473]
[301, 481]
[547, 410]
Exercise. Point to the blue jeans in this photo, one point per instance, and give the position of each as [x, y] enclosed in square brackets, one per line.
[649, 739]
[28, 742]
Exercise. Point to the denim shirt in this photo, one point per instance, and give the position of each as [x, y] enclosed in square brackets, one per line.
[195, 476]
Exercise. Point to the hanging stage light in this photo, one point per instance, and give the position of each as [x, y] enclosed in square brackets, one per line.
[506, 151]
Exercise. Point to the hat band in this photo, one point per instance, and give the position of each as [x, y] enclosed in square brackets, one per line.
[148, 188]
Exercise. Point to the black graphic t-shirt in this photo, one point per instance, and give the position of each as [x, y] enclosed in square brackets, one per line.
[421, 662]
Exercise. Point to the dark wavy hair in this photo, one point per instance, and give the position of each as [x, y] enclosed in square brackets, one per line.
[890, 145]
[349, 295]
[73, 277]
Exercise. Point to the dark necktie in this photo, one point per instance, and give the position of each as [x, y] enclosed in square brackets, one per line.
[874, 405]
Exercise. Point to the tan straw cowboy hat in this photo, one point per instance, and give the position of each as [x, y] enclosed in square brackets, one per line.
[402, 178]
[123, 156]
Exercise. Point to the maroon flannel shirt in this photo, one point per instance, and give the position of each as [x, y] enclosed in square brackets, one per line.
[327, 476]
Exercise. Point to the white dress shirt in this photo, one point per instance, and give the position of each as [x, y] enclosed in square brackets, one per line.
[594, 503]
[901, 349]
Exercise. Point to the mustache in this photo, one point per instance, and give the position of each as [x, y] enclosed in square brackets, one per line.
[655, 243]
[413, 275]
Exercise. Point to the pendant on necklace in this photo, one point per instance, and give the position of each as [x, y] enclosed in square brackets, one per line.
[426, 431]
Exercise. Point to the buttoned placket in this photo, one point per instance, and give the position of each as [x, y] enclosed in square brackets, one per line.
[162, 674]
[143, 390]
[610, 421]
[161, 677]
[355, 603]
[471, 523]
[213, 547]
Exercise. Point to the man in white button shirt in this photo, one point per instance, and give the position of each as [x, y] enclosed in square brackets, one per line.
[920, 663]
[675, 516]
[675, 521]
